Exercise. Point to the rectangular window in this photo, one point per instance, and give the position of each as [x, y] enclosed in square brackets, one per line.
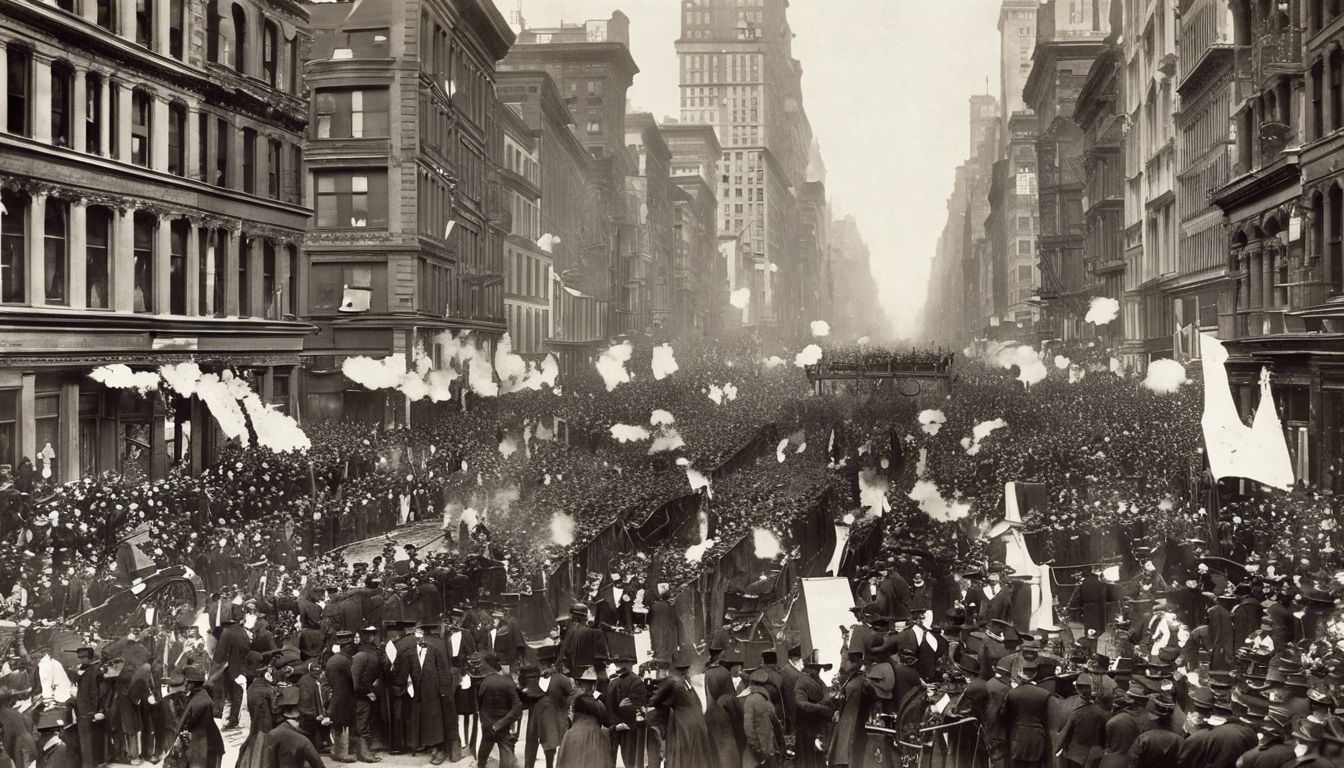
[345, 113]
[221, 251]
[144, 23]
[142, 116]
[177, 139]
[268, 286]
[143, 269]
[222, 133]
[47, 424]
[270, 53]
[97, 250]
[13, 246]
[177, 268]
[249, 161]
[329, 282]
[62, 106]
[176, 25]
[273, 154]
[203, 145]
[244, 277]
[352, 200]
[93, 114]
[295, 193]
[54, 251]
[18, 85]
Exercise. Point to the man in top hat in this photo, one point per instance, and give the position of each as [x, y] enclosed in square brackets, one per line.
[893, 593]
[341, 705]
[504, 640]
[500, 709]
[1000, 606]
[774, 684]
[1091, 599]
[994, 646]
[393, 705]
[790, 671]
[760, 722]
[93, 699]
[582, 644]
[664, 628]
[417, 678]
[207, 744]
[813, 709]
[1026, 712]
[627, 694]
[459, 644]
[231, 670]
[286, 745]
[314, 693]
[1229, 737]
[680, 712]
[1160, 744]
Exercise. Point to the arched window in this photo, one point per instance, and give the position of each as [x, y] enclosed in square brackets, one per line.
[143, 259]
[54, 251]
[97, 255]
[239, 39]
[62, 102]
[270, 53]
[13, 247]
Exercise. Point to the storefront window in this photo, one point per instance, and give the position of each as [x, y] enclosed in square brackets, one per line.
[9, 412]
[47, 413]
[89, 407]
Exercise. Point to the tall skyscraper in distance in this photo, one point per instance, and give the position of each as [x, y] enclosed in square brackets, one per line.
[1017, 40]
[738, 75]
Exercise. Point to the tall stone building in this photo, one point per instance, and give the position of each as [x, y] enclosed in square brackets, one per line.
[528, 264]
[572, 212]
[151, 211]
[1017, 276]
[590, 64]
[406, 240]
[1204, 141]
[699, 273]
[739, 76]
[1100, 116]
[857, 311]
[1150, 168]
[648, 190]
[1070, 34]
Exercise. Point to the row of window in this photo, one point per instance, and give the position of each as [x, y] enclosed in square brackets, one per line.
[228, 43]
[529, 328]
[528, 276]
[97, 258]
[108, 15]
[99, 108]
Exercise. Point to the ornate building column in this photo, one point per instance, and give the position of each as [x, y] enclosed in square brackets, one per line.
[39, 106]
[36, 263]
[122, 270]
[232, 238]
[79, 114]
[193, 276]
[161, 280]
[158, 145]
[77, 248]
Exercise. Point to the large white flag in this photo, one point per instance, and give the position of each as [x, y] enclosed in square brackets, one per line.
[1257, 452]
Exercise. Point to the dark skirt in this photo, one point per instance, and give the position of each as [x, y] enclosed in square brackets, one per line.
[586, 745]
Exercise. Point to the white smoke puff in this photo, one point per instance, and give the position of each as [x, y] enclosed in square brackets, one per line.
[1117, 367]
[716, 394]
[682, 461]
[611, 365]
[922, 466]
[181, 377]
[1076, 373]
[766, 543]
[820, 328]
[471, 517]
[779, 449]
[696, 552]
[730, 392]
[481, 377]
[811, 355]
[118, 376]
[667, 440]
[873, 493]
[932, 503]
[1062, 362]
[862, 340]
[1165, 376]
[562, 529]
[1027, 360]
[664, 362]
[223, 405]
[931, 420]
[370, 373]
[511, 368]
[550, 371]
[547, 242]
[740, 298]
[979, 433]
[275, 429]
[774, 361]
[697, 479]
[439, 383]
[627, 433]
[1102, 310]
[414, 386]
[508, 446]
[661, 418]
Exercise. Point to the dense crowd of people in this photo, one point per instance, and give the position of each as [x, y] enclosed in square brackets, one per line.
[456, 644]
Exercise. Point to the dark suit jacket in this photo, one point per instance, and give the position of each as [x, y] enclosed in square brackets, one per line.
[498, 703]
[1026, 712]
[580, 646]
[231, 651]
[288, 748]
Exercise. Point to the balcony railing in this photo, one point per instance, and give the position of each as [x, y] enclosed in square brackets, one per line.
[1277, 48]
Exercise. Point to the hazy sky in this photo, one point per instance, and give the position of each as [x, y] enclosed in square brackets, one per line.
[885, 84]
